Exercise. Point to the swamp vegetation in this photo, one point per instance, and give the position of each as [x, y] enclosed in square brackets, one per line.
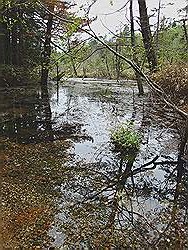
[93, 130]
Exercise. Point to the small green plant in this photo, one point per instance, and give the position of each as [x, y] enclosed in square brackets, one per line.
[125, 138]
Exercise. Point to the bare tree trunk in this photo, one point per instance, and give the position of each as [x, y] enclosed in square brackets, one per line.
[5, 43]
[73, 66]
[158, 28]
[14, 47]
[72, 60]
[84, 73]
[107, 66]
[117, 61]
[47, 48]
[2, 43]
[133, 44]
[185, 32]
[146, 34]
[182, 159]
[20, 39]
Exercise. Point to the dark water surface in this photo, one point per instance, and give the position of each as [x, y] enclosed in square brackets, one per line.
[63, 185]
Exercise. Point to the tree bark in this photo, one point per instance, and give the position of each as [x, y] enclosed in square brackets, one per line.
[133, 44]
[147, 37]
[20, 39]
[2, 43]
[158, 28]
[14, 45]
[47, 48]
[72, 60]
[107, 66]
[185, 32]
[117, 61]
[7, 46]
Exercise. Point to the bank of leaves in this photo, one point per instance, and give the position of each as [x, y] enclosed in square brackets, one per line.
[173, 79]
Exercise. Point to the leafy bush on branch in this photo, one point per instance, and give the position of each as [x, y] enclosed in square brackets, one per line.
[125, 138]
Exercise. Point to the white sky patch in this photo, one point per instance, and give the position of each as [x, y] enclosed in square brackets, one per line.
[115, 20]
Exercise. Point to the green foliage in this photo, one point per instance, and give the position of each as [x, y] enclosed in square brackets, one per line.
[126, 138]
[172, 45]
[94, 60]
[15, 76]
[73, 27]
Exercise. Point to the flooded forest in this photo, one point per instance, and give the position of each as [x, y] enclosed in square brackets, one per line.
[93, 125]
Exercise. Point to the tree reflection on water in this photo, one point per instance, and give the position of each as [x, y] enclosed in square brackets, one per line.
[33, 154]
[108, 203]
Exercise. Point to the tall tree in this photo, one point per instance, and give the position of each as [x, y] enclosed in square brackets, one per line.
[133, 44]
[47, 45]
[55, 29]
[2, 43]
[147, 36]
[184, 20]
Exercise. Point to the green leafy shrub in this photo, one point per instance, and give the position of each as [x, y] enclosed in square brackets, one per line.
[125, 138]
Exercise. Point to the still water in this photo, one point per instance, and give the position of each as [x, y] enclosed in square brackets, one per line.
[65, 187]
